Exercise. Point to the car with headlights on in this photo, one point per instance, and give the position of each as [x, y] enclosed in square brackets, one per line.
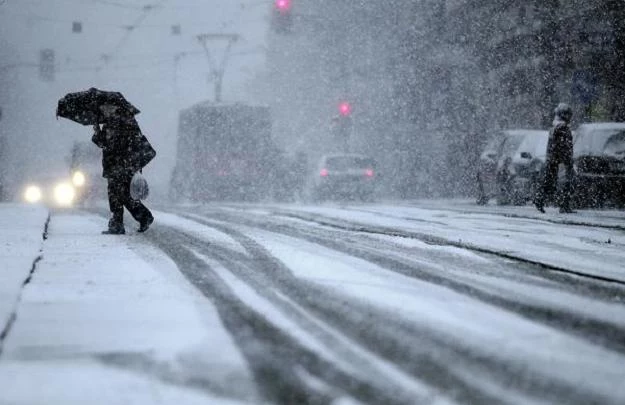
[85, 163]
[344, 176]
[52, 191]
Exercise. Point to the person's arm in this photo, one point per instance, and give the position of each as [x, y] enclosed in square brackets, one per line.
[98, 136]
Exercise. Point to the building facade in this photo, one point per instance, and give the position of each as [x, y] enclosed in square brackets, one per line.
[431, 80]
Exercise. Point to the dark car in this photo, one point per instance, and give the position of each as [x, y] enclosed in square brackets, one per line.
[599, 161]
[344, 175]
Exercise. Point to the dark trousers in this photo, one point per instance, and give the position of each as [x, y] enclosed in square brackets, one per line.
[119, 197]
[551, 179]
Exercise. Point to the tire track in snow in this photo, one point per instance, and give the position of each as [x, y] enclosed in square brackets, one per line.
[274, 356]
[436, 240]
[388, 336]
[598, 331]
[569, 220]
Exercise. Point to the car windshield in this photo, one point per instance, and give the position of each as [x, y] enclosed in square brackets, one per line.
[348, 162]
[511, 144]
[598, 141]
[534, 143]
[615, 146]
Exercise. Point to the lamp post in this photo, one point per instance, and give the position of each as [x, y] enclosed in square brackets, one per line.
[217, 70]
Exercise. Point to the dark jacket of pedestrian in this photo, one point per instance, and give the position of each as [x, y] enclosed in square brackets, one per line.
[125, 150]
[560, 144]
[559, 151]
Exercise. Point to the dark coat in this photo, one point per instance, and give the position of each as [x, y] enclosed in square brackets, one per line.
[560, 144]
[125, 150]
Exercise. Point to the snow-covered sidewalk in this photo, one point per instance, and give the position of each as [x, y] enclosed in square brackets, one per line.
[91, 318]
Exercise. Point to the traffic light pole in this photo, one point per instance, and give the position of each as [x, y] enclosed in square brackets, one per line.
[217, 71]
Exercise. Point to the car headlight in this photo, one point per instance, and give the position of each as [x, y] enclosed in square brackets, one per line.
[78, 179]
[64, 194]
[32, 194]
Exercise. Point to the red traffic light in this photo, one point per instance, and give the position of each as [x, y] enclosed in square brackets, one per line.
[345, 108]
[283, 6]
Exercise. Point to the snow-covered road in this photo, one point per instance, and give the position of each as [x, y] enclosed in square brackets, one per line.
[421, 302]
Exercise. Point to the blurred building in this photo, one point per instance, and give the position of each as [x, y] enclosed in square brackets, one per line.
[538, 53]
[430, 80]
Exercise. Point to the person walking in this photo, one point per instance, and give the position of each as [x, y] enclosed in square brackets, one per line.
[559, 151]
[125, 151]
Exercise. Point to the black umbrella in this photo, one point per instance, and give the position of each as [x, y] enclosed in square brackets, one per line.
[83, 107]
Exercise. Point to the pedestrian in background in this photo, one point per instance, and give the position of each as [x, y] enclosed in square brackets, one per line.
[125, 151]
[559, 151]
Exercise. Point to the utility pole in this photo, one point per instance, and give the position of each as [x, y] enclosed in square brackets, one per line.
[217, 70]
[177, 57]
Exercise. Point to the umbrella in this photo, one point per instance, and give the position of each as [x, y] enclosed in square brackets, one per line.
[83, 107]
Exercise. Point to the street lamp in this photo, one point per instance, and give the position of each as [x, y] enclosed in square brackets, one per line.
[218, 71]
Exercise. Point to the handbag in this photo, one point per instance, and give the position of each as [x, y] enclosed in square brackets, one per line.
[139, 189]
[141, 152]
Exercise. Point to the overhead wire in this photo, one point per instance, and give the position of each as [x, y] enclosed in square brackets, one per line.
[33, 16]
[129, 29]
[149, 58]
[116, 4]
[137, 23]
[86, 3]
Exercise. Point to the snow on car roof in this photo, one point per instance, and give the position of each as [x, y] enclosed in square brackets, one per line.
[524, 132]
[601, 126]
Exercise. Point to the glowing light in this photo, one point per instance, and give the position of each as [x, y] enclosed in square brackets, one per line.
[324, 173]
[32, 194]
[345, 108]
[369, 172]
[283, 5]
[78, 179]
[64, 194]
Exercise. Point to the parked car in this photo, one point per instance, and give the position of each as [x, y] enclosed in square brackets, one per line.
[510, 166]
[344, 175]
[519, 175]
[599, 161]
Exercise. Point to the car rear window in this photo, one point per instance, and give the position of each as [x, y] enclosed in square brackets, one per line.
[535, 143]
[348, 162]
[596, 142]
[511, 144]
[616, 145]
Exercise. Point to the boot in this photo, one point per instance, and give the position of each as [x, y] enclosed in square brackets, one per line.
[114, 228]
[539, 204]
[144, 225]
[114, 231]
